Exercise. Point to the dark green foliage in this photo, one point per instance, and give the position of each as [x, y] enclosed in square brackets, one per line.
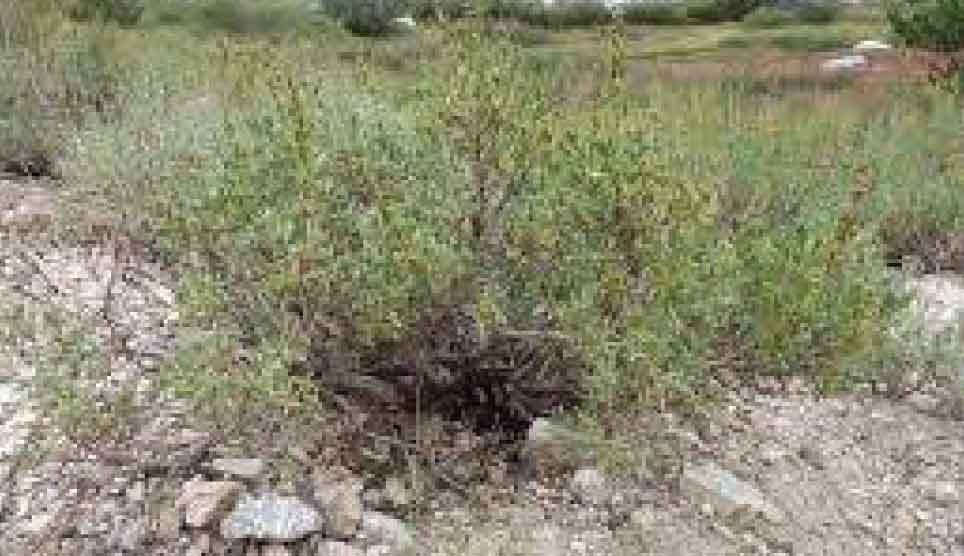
[818, 13]
[122, 12]
[235, 17]
[655, 14]
[768, 16]
[239, 17]
[811, 13]
[441, 9]
[576, 13]
[367, 17]
[935, 24]
[717, 11]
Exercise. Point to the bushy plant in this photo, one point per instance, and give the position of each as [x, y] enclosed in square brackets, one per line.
[123, 12]
[934, 24]
[52, 96]
[367, 17]
[717, 11]
[326, 190]
[818, 13]
[510, 9]
[577, 215]
[768, 17]
[251, 17]
[441, 9]
[571, 13]
[655, 14]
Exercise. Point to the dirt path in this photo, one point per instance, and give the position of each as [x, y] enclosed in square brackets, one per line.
[852, 475]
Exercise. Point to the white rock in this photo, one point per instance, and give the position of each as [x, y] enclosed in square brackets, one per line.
[405, 22]
[336, 548]
[871, 45]
[845, 63]
[243, 468]
[590, 486]
[944, 493]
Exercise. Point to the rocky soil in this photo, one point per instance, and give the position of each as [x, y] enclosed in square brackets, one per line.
[775, 471]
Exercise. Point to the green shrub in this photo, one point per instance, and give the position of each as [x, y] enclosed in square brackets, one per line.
[367, 17]
[321, 199]
[655, 14]
[934, 24]
[49, 97]
[572, 13]
[818, 13]
[240, 17]
[768, 17]
[447, 9]
[123, 12]
[707, 11]
[508, 9]
[251, 17]
[718, 11]
[589, 215]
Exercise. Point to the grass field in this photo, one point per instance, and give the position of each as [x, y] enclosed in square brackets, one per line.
[721, 41]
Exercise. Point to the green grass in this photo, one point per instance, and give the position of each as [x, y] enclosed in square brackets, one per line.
[240, 17]
[305, 196]
[709, 41]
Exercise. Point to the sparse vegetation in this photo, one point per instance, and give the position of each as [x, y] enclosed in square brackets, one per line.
[317, 205]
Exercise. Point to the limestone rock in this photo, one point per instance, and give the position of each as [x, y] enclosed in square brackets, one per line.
[379, 528]
[710, 484]
[343, 515]
[845, 63]
[241, 468]
[337, 548]
[871, 45]
[271, 517]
